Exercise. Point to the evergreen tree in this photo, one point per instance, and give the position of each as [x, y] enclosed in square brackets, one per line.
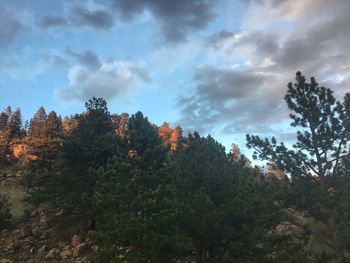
[37, 124]
[11, 134]
[70, 187]
[44, 139]
[3, 121]
[220, 202]
[322, 138]
[132, 200]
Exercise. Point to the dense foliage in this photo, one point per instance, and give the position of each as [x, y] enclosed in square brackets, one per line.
[5, 215]
[150, 194]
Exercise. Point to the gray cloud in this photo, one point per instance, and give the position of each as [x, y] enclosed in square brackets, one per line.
[79, 16]
[10, 27]
[311, 36]
[52, 21]
[87, 58]
[229, 98]
[176, 18]
[98, 19]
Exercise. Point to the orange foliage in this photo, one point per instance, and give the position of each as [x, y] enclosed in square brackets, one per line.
[169, 135]
[21, 151]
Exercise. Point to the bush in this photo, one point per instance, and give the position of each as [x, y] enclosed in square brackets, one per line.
[5, 215]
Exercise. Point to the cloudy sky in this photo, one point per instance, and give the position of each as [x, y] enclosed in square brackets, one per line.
[216, 66]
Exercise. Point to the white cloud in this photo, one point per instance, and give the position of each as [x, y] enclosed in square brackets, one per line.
[113, 79]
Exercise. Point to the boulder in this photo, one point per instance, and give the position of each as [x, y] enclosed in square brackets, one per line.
[79, 249]
[36, 232]
[6, 260]
[24, 231]
[42, 250]
[20, 244]
[66, 248]
[53, 253]
[65, 254]
[75, 240]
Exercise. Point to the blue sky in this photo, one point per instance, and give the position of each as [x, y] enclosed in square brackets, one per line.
[218, 66]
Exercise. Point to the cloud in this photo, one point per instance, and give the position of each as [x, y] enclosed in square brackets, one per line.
[89, 14]
[276, 39]
[53, 21]
[97, 19]
[229, 98]
[10, 27]
[87, 58]
[176, 18]
[113, 79]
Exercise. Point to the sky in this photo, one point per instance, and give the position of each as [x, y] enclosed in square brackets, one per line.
[214, 66]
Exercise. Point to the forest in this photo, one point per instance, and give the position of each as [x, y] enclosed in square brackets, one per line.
[118, 188]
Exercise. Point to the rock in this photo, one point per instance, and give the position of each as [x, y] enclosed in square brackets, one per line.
[6, 261]
[43, 221]
[36, 232]
[53, 253]
[42, 250]
[95, 248]
[66, 248]
[346, 255]
[66, 254]
[79, 249]
[20, 244]
[75, 240]
[24, 231]
[61, 245]
[34, 213]
[286, 228]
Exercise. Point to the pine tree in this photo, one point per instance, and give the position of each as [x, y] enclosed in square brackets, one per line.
[219, 202]
[70, 187]
[11, 134]
[44, 139]
[37, 123]
[322, 138]
[132, 199]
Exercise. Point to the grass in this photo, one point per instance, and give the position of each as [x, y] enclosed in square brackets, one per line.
[16, 195]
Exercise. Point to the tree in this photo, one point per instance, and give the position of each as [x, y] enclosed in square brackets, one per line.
[132, 200]
[44, 139]
[322, 138]
[219, 202]
[3, 121]
[70, 187]
[11, 133]
[120, 122]
[37, 124]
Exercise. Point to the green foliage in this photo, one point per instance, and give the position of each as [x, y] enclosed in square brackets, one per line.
[323, 135]
[197, 204]
[5, 215]
[133, 201]
[69, 187]
[318, 164]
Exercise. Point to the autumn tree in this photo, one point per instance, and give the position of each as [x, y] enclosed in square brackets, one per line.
[120, 123]
[44, 138]
[11, 133]
[322, 137]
